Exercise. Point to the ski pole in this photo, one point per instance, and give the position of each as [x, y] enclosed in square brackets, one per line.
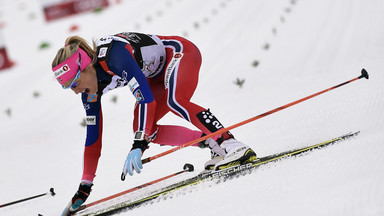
[364, 74]
[51, 192]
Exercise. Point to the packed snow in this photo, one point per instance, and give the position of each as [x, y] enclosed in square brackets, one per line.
[283, 50]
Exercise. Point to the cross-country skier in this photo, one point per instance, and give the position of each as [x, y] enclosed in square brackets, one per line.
[162, 74]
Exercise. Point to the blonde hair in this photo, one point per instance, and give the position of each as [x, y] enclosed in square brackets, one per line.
[72, 43]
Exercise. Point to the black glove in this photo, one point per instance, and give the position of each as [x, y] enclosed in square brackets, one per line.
[141, 144]
[78, 199]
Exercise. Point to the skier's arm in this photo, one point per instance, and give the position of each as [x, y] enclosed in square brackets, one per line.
[94, 120]
[122, 63]
[92, 150]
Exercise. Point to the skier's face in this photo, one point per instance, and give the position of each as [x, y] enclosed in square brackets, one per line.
[86, 83]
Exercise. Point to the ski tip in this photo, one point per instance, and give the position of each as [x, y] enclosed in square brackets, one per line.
[364, 74]
[349, 135]
[188, 167]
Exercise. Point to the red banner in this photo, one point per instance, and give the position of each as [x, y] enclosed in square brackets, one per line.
[69, 8]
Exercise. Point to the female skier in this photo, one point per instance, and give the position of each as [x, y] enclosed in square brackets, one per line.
[162, 74]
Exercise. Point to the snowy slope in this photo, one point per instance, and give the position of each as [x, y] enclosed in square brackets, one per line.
[313, 45]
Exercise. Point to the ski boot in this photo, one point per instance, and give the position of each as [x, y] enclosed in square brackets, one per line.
[237, 153]
[217, 153]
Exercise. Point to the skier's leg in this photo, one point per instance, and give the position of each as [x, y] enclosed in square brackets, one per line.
[180, 84]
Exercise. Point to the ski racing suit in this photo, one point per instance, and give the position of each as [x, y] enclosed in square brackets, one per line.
[162, 74]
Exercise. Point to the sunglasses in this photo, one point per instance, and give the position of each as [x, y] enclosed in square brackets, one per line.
[76, 81]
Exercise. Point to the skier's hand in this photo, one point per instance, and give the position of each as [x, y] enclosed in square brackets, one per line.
[78, 199]
[133, 162]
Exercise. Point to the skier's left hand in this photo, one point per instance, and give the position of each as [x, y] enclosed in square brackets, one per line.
[78, 199]
[133, 161]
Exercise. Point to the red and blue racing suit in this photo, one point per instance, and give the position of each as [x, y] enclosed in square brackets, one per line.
[162, 74]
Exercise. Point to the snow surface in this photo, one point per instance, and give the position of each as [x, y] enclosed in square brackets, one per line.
[302, 47]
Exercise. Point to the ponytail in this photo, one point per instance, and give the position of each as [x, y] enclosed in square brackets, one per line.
[71, 46]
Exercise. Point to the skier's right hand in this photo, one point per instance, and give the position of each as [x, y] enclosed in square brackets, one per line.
[78, 199]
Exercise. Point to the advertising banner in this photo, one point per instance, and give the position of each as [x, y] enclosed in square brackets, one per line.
[58, 9]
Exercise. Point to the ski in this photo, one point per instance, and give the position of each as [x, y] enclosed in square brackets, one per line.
[218, 176]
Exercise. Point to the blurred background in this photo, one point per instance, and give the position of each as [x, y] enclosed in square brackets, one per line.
[257, 55]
